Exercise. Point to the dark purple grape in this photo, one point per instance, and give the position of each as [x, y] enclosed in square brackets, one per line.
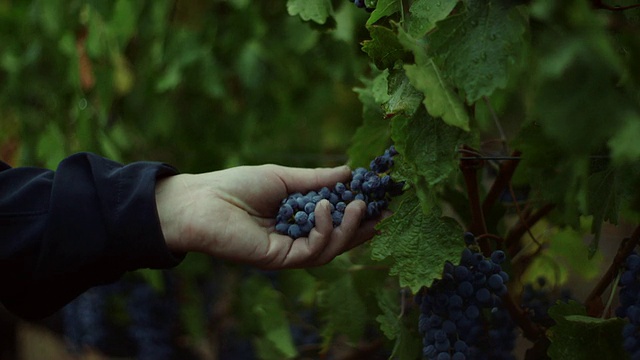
[373, 186]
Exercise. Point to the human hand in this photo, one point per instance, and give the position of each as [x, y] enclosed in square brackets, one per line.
[230, 214]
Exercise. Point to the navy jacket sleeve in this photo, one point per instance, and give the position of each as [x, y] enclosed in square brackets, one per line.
[83, 225]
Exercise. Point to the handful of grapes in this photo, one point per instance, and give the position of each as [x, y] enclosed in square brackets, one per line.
[296, 216]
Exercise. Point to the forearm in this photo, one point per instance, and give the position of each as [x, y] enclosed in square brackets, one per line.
[83, 225]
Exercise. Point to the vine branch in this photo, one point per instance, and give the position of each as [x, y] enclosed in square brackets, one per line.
[511, 240]
[507, 168]
[478, 227]
[594, 306]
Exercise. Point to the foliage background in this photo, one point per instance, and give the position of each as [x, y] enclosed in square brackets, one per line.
[202, 85]
[210, 84]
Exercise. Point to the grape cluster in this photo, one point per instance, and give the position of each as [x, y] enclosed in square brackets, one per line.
[89, 321]
[462, 316]
[296, 216]
[152, 319]
[84, 319]
[630, 304]
[537, 299]
[362, 4]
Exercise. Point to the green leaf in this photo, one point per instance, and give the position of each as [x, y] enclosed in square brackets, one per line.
[389, 319]
[263, 314]
[51, 144]
[439, 98]
[603, 198]
[342, 308]
[272, 317]
[576, 122]
[418, 243]
[398, 327]
[554, 177]
[384, 48]
[624, 143]
[428, 146]
[315, 10]
[298, 285]
[403, 98]
[578, 336]
[423, 15]
[384, 8]
[124, 21]
[564, 254]
[372, 137]
[154, 277]
[477, 46]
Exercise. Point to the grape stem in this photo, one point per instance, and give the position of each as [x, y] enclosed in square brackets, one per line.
[478, 226]
[594, 301]
[530, 330]
[521, 216]
[612, 294]
[507, 168]
[512, 239]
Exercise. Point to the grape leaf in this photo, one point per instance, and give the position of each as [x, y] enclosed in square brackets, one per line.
[316, 10]
[592, 99]
[384, 8]
[263, 313]
[402, 329]
[403, 98]
[603, 197]
[428, 145]
[624, 143]
[553, 176]
[477, 46]
[271, 315]
[439, 98]
[49, 145]
[384, 48]
[372, 137]
[574, 329]
[418, 243]
[124, 21]
[423, 15]
[299, 285]
[342, 308]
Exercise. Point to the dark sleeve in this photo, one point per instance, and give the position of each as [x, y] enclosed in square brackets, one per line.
[83, 225]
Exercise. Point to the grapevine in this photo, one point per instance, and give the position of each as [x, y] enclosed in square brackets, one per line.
[517, 121]
[462, 315]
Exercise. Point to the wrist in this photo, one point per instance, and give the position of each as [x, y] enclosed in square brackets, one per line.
[169, 194]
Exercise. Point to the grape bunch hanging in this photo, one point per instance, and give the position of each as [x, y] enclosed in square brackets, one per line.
[296, 216]
[462, 314]
[630, 304]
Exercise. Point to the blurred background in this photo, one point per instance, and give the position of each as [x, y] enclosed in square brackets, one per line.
[199, 84]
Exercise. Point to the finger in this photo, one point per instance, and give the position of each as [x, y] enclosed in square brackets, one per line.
[365, 232]
[305, 250]
[302, 180]
[324, 223]
[344, 235]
